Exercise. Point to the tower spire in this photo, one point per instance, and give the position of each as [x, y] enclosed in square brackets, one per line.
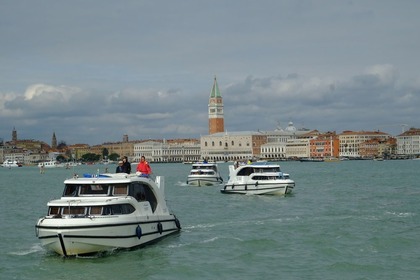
[216, 119]
[215, 92]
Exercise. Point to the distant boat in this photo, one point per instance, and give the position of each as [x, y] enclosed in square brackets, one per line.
[11, 163]
[311, 159]
[204, 174]
[258, 179]
[331, 159]
[49, 164]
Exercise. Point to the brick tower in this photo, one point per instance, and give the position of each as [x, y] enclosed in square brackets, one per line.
[216, 120]
[54, 141]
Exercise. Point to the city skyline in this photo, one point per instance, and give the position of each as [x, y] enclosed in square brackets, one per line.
[54, 142]
[94, 71]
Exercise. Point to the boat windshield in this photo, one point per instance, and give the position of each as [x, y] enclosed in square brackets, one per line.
[202, 172]
[204, 167]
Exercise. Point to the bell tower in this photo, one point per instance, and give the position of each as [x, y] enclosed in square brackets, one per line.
[14, 135]
[216, 120]
[54, 141]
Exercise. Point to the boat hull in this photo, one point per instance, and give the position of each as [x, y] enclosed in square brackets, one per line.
[259, 189]
[94, 235]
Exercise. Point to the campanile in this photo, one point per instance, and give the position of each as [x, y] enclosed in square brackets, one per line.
[216, 120]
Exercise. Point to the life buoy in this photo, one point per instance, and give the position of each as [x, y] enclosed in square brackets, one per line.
[160, 228]
[177, 223]
[138, 232]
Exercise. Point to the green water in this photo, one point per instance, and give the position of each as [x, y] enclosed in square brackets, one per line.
[345, 220]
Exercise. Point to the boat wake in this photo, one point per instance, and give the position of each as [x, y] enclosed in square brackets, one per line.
[34, 249]
[400, 215]
[205, 241]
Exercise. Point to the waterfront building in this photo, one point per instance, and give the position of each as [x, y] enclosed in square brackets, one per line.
[216, 118]
[408, 143]
[350, 141]
[78, 150]
[325, 145]
[123, 148]
[275, 148]
[177, 150]
[232, 146]
[152, 150]
[298, 148]
[377, 148]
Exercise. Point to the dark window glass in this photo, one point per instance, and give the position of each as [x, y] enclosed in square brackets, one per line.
[70, 190]
[143, 192]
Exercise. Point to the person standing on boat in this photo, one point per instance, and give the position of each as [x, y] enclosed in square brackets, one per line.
[120, 167]
[143, 168]
[126, 165]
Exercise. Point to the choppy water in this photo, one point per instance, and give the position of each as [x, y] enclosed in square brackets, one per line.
[345, 220]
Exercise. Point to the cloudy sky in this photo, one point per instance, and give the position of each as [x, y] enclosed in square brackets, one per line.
[92, 71]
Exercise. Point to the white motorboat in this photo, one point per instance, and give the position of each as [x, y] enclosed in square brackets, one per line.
[257, 178]
[204, 174]
[99, 213]
[11, 163]
[49, 164]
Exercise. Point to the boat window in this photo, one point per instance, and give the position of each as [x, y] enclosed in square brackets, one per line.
[107, 210]
[94, 189]
[246, 171]
[70, 190]
[266, 170]
[54, 210]
[261, 177]
[118, 209]
[73, 210]
[127, 208]
[143, 192]
[120, 190]
[95, 210]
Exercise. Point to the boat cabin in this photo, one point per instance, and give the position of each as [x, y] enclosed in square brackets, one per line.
[138, 190]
